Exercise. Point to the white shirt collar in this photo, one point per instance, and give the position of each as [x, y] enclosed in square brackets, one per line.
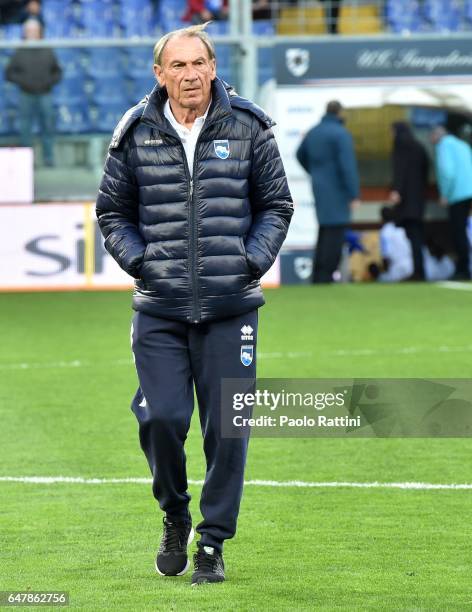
[182, 129]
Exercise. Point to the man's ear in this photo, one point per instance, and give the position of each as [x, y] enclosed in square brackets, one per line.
[159, 73]
[213, 69]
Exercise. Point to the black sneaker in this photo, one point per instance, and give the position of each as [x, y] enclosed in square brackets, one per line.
[209, 566]
[172, 558]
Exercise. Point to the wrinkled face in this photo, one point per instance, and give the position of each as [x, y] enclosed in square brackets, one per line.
[186, 72]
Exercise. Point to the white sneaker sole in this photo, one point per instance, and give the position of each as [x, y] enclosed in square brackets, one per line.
[191, 535]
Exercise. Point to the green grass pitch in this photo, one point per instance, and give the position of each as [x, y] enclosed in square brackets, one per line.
[296, 549]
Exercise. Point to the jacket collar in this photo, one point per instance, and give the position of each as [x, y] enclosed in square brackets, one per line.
[154, 110]
[332, 118]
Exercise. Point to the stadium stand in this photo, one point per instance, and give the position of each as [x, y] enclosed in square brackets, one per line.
[353, 18]
[120, 76]
[301, 20]
[442, 15]
[403, 16]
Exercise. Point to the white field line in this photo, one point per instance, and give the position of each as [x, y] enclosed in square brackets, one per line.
[454, 285]
[366, 352]
[419, 486]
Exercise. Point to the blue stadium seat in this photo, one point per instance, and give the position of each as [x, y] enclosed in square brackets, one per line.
[138, 88]
[264, 74]
[170, 14]
[13, 31]
[71, 61]
[137, 18]
[263, 27]
[4, 119]
[104, 61]
[442, 15]
[265, 62]
[5, 123]
[5, 55]
[72, 119]
[172, 23]
[135, 4]
[223, 55]
[11, 95]
[218, 28]
[107, 90]
[58, 18]
[70, 91]
[468, 11]
[226, 74]
[9, 121]
[138, 61]
[105, 117]
[95, 19]
[403, 16]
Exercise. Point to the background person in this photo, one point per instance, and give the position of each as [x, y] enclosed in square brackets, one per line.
[327, 154]
[200, 11]
[395, 249]
[33, 10]
[410, 168]
[454, 178]
[332, 9]
[35, 71]
[194, 204]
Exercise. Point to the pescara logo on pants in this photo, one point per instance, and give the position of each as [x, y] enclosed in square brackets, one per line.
[247, 353]
[221, 148]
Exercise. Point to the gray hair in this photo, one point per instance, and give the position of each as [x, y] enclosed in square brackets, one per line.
[197, 31]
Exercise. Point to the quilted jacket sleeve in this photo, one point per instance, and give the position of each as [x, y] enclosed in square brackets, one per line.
[271, 202]
[117, 213]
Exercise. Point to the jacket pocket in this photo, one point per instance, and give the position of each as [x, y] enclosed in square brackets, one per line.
[145, 259]
[244, 253]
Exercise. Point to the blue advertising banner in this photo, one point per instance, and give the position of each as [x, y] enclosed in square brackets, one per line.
[301, 63]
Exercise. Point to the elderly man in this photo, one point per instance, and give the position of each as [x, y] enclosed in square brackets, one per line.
[194, 204]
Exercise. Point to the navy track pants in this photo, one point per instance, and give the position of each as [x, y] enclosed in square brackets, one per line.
[171, 357]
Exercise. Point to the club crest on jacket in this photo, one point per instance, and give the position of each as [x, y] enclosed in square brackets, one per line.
[221, 148]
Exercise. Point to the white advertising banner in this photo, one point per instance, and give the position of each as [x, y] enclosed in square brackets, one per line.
[59, 247]
[16, 175]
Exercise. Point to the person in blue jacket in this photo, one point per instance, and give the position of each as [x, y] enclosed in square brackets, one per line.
[327, 154]
[194, 204]
[454, 179]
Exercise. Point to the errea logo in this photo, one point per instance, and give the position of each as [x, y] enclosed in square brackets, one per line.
[246, 332]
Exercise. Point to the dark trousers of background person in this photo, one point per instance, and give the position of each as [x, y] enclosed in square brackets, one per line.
[171, 357]
[414, 231]
[332, 15]
[328, 252]
[37, 108]
[458, 217]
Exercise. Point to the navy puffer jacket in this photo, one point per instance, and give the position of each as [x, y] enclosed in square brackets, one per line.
[196, 246]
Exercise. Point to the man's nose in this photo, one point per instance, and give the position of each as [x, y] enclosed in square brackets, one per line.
[190, 73]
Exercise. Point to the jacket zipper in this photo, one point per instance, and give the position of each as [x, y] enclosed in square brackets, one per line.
[195, 316]
[193, 233]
